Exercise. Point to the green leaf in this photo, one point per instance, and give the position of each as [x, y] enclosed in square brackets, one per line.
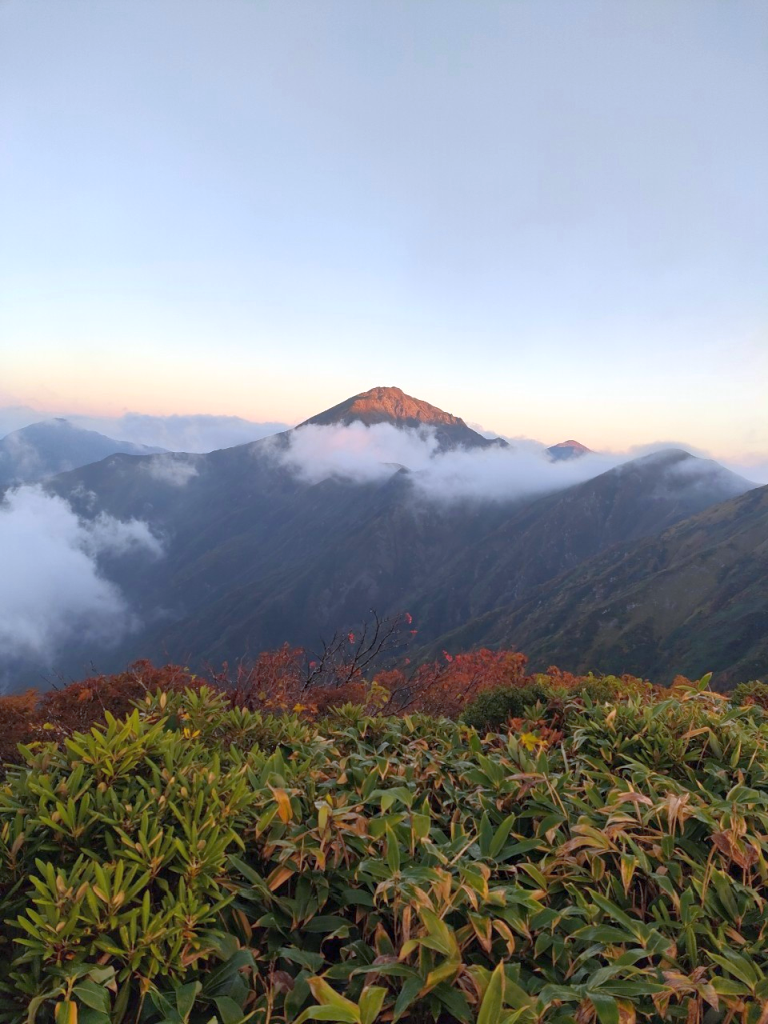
[312, 961]
[88, 1016]
[738, 966]
[485, 834]
[393, 852]
[371, 1001]
[328, 997]
[408, 993]
[326, 923]
[606, 1006]
[185, 998]
[493, 1000]
[455, 1001]
[500, 836]
[421, 824]
[93, 995]
[229, 1011]
[439, 935]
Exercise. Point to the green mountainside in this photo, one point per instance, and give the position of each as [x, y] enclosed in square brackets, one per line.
[693, 599]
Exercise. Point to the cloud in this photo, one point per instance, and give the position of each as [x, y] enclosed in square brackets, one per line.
[195, 433]
[20, 460]
[176, 470]
[753, 467]
[366, 454]
[51, 585]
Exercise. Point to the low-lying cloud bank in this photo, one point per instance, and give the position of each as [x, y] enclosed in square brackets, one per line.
[195, 433]
[51, 585]
[367, 454]
[20, 461]
[181, 433]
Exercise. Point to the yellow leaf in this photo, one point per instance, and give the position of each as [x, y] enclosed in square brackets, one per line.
[284, 808]
[530, 741]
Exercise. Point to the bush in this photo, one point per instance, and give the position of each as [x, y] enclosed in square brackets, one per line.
[196, 862]
[492, 708]
[17, 713]
[753, 692]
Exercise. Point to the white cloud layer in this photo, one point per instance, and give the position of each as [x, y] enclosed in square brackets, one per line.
[196, 433]
[51, 584]
[361, 453]
[177, 433]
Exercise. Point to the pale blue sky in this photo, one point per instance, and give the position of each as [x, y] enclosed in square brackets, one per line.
[547, 216]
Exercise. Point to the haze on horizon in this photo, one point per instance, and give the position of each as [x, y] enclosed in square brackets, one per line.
[547, 219]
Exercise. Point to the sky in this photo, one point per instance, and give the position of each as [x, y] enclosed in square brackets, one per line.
[546, 217]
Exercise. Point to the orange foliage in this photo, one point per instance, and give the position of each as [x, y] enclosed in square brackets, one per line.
[16, 717]
[445, 687]
[274, 682]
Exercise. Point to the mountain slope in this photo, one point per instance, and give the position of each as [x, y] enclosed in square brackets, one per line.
[690, 601]
[56, 446]
[256, 556]
[544, 538]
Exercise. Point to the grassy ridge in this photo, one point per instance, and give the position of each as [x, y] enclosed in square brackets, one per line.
[197, 862]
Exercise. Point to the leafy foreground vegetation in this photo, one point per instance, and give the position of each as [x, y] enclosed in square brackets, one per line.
[198, 861]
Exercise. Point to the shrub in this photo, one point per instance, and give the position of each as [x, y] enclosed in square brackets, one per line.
[492, 708]
[17, 714]
[198, 862]
[753, 692]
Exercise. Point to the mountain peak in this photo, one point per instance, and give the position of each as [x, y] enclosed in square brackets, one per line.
[391, 405]
[385, 405]
[568, 450]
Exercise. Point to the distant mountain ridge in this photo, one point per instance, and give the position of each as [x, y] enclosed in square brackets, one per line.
[57, 446]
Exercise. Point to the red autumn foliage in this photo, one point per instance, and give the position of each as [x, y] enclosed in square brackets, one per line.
[273, 682]
[444, 687]
[17, 713]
